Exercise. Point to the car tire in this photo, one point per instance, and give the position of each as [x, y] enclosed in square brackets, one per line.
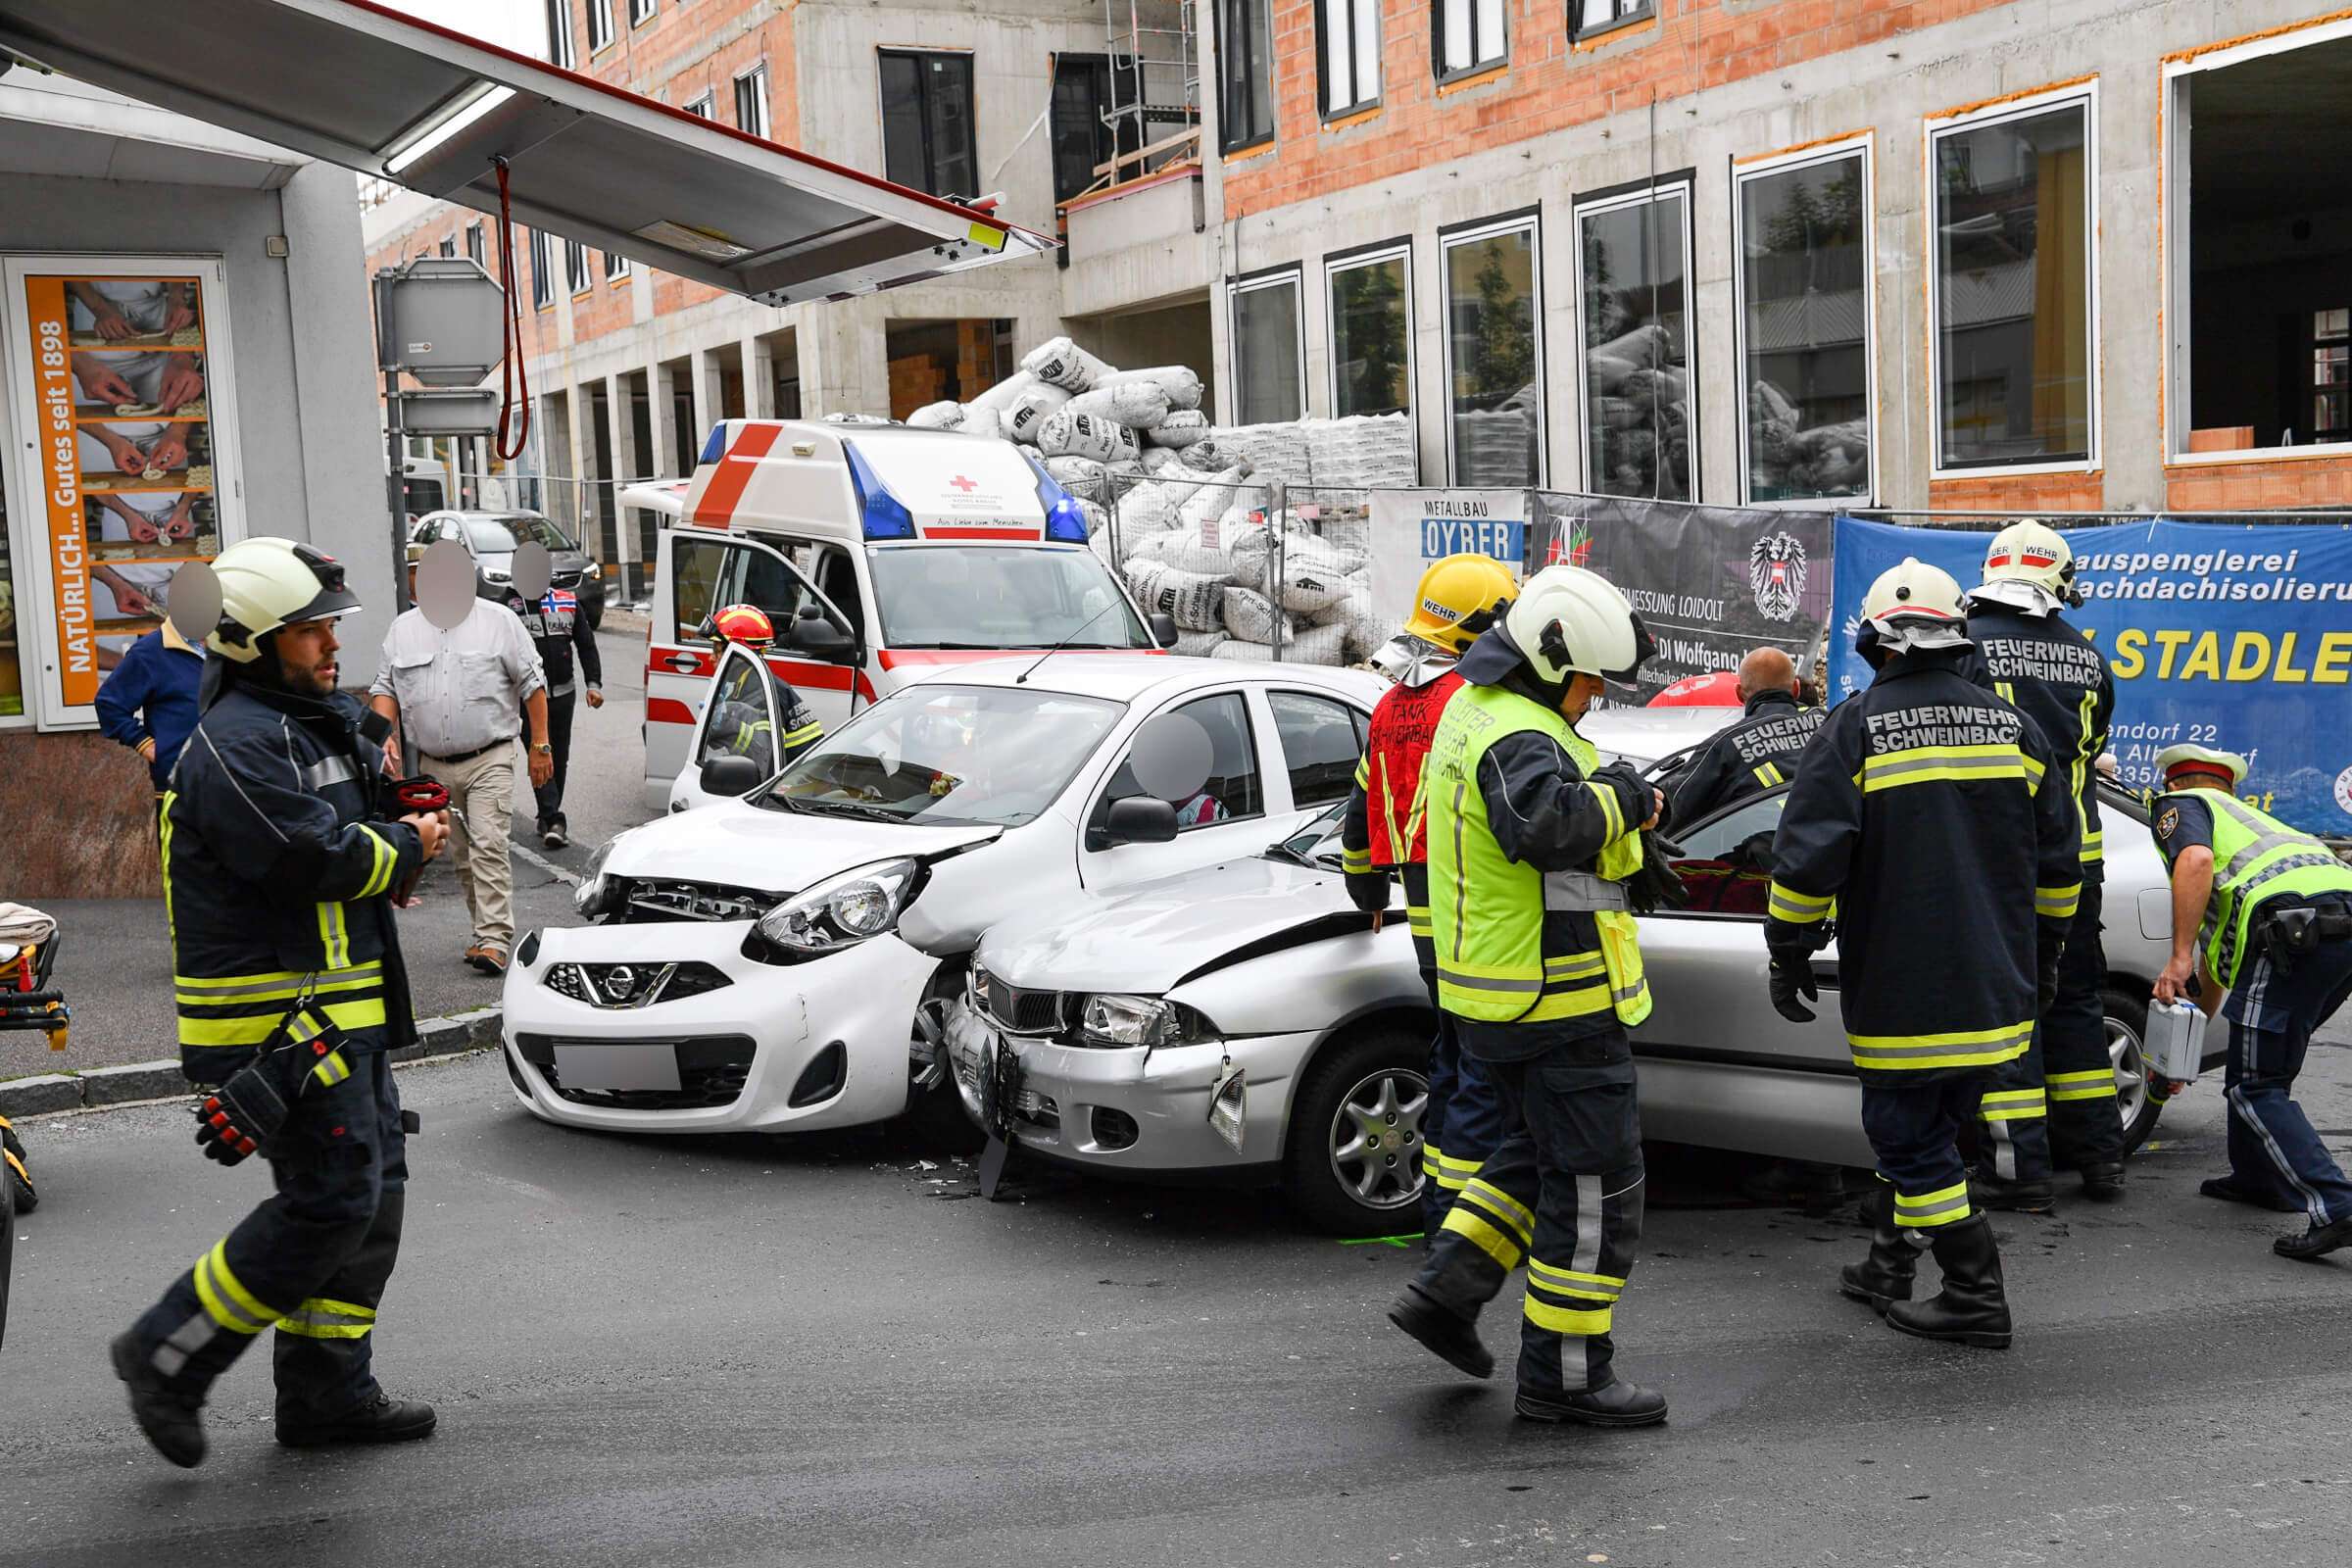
[1349, 1079]
[2125, 1017]
[935, 1115]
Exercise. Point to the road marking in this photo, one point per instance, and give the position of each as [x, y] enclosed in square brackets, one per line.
[1382, 1240]
[531, 856]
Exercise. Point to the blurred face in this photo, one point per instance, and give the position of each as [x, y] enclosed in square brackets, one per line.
[1582, 691]
[306, 654]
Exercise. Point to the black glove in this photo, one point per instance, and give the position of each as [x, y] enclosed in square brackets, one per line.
[1657, 885]
[1633, 793]
[240, 1116]
[1792, 978]
[2047, 950]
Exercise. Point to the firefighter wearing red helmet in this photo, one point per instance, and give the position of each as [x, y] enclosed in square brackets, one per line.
[738, 724]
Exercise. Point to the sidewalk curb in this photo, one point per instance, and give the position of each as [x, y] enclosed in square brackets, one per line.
[51, 1093]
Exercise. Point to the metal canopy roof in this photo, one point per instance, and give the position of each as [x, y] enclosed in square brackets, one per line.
[353, 84]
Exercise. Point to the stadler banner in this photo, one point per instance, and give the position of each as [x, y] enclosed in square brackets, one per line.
[1710, 582]
[2237, 636]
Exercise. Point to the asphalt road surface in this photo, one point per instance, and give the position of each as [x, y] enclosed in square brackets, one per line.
[758, 1352]
[116, 965]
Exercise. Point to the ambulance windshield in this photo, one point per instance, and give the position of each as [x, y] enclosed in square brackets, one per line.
[1000, 595]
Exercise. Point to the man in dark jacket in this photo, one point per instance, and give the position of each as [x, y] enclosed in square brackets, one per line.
[1930, 822]
[558, 629]
[148, 701]
[278, 868]
[1756, 753]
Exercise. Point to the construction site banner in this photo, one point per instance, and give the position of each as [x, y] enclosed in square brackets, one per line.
[1710, 582]
[2237, 636]
[1412, 528]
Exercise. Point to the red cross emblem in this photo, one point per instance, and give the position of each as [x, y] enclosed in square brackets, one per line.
[968, 486]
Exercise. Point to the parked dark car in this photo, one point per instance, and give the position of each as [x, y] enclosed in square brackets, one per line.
[491, 538]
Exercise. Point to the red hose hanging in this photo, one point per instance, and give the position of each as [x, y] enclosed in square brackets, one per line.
[513, 376]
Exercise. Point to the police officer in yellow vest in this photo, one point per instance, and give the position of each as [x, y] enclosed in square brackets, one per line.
[1530, 843]
[2273, 908]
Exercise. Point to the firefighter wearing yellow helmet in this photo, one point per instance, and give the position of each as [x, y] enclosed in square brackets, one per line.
[1384, 834]
[2055, 1105]
[279, 862]
[1934, 824]
[1532, 847]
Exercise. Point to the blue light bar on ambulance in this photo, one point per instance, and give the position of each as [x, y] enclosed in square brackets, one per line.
[1065, 519]
[882, 515]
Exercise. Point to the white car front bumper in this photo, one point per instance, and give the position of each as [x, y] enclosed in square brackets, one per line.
[832, 1032]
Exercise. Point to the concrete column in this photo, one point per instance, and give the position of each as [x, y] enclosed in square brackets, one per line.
[660, 391]
[759, 383]
[707, 392]
[572, 466]
[845, 367]
[620, 438]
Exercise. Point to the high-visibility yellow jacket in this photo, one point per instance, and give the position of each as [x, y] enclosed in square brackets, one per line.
[2256, 858]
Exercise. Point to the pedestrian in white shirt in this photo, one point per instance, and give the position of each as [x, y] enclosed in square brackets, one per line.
[461, 675]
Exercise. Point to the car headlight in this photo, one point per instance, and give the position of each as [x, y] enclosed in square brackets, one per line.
[495, 574]
[840, 911]
[593, 897]
[1111, 1019]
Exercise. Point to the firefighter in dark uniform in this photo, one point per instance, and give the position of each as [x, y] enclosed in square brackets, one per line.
[2027, 653]
[1531, 842]
[278, 874]
[2273, 908]
[740, 726]
[1931, 821]
[560, 631]
[1384, 834]
[1759, 751]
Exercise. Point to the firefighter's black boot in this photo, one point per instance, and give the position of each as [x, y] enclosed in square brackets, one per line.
[173, 1422]
[382, 1419]
[2103, 1180]
[1442, 1332]
[1973, 1308]
[1988, 1191]
[1886, 1274]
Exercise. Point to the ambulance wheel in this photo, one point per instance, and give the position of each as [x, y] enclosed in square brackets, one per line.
[2126, 1018]
[1351, 1164]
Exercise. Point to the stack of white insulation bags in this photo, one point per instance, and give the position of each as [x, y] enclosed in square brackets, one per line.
[1192, 536]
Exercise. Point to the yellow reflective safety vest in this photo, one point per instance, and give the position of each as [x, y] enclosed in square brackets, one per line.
[2256, 857]
[1499, 960]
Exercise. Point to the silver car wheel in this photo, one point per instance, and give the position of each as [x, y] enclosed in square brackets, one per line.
[1375, 1138]
[2131, 1070]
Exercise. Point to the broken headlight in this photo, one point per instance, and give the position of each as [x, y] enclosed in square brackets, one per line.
[840, 911]
[1113, 1020]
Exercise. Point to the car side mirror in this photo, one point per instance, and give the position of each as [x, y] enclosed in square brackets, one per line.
[819, 638]
[730, 777]
[1141, 820]
[1163, 629]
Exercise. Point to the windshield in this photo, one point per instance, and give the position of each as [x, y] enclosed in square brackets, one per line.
[1318, 841]
[992, 596]
[948, 756]
[498, 536]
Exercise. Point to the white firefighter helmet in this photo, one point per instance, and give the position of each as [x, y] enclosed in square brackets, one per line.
[1910, 603]
[267, 583]
[2192, 758]
[1568, 621]
[2030, 551]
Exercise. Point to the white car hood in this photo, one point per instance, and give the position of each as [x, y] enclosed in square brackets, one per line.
[735, 845]
[1150, 936]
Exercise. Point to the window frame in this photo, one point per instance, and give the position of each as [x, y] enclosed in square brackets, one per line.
[578, 276]
[543, 269]
[2173, 130]
[600, 11]
[1440, 73]
[1864, 143]
[1292, 274]
[1324, 11]
[972, 105]
[1578, 32]
[477, 244]
[1358, 724]
[642, 12]
[563, 47]
[1249, 140]
[615, 267]
[1618, 198]
[703, 105]
[1531, 219]
[2024, 106]
[756, 73]
[1098, 816]
[1348, 261]
[1102, 67]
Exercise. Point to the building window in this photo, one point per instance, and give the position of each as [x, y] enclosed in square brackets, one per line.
[751, 101]
[615, 264]
[600, 24]
[703, 107]
[1588, 18]
[2014, 332]
[1470, 37]
[1634, 290]
[1081, 135]
[1269, 384]
[927, 134]
[476, 245]
[449, 245]
[2258, 246]
[558, 34]
[641, 11]
[1372, 333]
[1805, 295]
[543, 270]
[1493, 355]
[576, 266]
[1245, 74]
[1348, 53]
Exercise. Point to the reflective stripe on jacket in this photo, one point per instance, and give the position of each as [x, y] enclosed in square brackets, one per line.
[2062, 683]
[2256, 857]
[1756, 753]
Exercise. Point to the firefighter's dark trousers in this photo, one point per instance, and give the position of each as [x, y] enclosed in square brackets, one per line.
[312, 1261]
[1914, 1129]
[1463, 1121]
[2085, 1127]
[1562, 1193]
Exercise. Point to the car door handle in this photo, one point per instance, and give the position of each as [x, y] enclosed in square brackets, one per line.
[683, 664]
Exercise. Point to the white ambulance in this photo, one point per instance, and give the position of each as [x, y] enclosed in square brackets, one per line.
[879, 552]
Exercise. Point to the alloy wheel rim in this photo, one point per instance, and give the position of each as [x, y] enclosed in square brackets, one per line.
[2131, 1070]
[1375, 1138]
[927, 1044]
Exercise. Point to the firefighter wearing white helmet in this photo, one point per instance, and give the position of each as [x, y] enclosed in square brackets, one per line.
[2054, 1106]
[2265, 910]
[279, 863]
[1932, 822]
[1536, 851]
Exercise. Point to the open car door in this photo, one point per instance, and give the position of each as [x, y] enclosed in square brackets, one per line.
[742, 717]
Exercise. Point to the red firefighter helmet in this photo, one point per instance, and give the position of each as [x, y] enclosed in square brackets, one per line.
[747, 625]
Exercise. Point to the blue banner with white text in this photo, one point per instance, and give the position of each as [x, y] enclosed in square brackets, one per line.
[2237, 636]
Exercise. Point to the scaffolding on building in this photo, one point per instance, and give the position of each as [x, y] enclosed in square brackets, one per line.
[1154, 107]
